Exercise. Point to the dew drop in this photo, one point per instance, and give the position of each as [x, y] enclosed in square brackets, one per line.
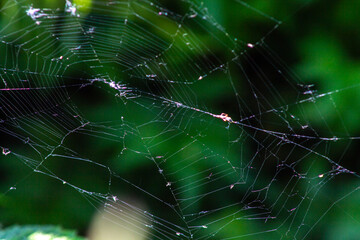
[194, 15]
[6, 151]
[151, 75]
[250, 45]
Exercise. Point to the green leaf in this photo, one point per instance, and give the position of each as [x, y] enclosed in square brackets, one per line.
[36, 232]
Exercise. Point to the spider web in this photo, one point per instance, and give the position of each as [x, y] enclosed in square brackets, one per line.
[158, 103]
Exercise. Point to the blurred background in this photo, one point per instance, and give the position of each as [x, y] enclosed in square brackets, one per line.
[313, 43]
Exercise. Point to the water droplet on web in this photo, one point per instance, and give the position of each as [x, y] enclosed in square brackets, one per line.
[321, 175]
[250, 45]
[151, 75]
[70, 8]
[204, 226]
[178, 234]
[293, 209]
[163, 13]
[168, 184]
[309, 92]
[91, 30]
[12, 188]
[193, 15]
[6, 151]
[76, 48]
